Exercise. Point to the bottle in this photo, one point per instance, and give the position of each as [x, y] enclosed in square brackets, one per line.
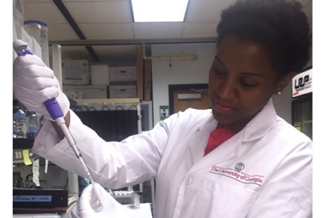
[32, 126]
[20, 121]
[39, 31]
[19, 117]
[15, 129]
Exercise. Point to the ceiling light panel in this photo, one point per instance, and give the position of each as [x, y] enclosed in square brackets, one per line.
[159, 10]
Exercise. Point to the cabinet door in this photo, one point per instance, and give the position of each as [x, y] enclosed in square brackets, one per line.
[188, 96]
[302, 115]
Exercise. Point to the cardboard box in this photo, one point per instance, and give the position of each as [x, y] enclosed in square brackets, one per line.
[75, 72]
[123, 73]
[123, 91]
[86, 92]
[99, 74]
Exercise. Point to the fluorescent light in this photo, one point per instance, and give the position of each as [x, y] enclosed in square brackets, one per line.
[159, 10]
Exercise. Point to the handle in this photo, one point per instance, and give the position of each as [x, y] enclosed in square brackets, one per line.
[52, 106]
[54, 109]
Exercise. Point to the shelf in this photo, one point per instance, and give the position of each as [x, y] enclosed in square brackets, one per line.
[23, 143]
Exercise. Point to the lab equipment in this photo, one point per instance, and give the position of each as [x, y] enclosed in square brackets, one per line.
[39, 31]
[39, 198]
[54, 110]
[128, 197]
[96, 202]
[19, 122]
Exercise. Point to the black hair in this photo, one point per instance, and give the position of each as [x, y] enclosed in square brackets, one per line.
[277, 25]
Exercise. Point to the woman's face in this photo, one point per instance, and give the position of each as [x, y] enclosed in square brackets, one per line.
[241, 81]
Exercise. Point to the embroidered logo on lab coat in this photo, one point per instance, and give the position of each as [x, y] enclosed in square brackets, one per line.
[237, 174]
[239, 166]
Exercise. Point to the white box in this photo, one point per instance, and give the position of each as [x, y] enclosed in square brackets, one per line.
[99, 74]
[85, 92]
[123, 73]
[124, 91]
[75, 72]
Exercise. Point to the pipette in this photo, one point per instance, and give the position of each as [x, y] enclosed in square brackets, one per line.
[54, 110]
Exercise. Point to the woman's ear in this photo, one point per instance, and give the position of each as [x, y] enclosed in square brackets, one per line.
[284, 81]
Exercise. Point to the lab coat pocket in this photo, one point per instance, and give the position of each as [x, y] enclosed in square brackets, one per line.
[219, 199]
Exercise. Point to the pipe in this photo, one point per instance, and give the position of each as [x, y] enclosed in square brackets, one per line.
[179, 57]
[87, 42]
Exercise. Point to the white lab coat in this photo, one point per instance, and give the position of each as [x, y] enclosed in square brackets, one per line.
[264, 171]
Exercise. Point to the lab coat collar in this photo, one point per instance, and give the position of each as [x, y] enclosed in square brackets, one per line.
[261, 123]
[199, 139]
[255, 129]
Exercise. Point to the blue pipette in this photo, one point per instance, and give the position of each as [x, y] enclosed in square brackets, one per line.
[54, 110]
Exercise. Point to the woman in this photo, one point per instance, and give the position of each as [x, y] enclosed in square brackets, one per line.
[263, 166]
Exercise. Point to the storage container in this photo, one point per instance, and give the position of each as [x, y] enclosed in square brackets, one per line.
[99, 74]
[123, 91]
[123, 73]
[86, 92]
[75, 72]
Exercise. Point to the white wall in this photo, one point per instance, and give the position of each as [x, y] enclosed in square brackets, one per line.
[181, 71]
[194, 71]
[282, 103]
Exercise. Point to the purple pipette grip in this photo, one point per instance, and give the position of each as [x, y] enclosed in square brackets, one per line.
[24, 52]
[53, 108]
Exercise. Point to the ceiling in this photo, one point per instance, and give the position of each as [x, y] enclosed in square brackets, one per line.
[103, 30]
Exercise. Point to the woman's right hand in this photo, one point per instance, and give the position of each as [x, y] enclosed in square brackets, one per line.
[34, 83]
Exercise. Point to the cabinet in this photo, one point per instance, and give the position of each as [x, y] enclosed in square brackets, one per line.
[33, 178]
[25, 166]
